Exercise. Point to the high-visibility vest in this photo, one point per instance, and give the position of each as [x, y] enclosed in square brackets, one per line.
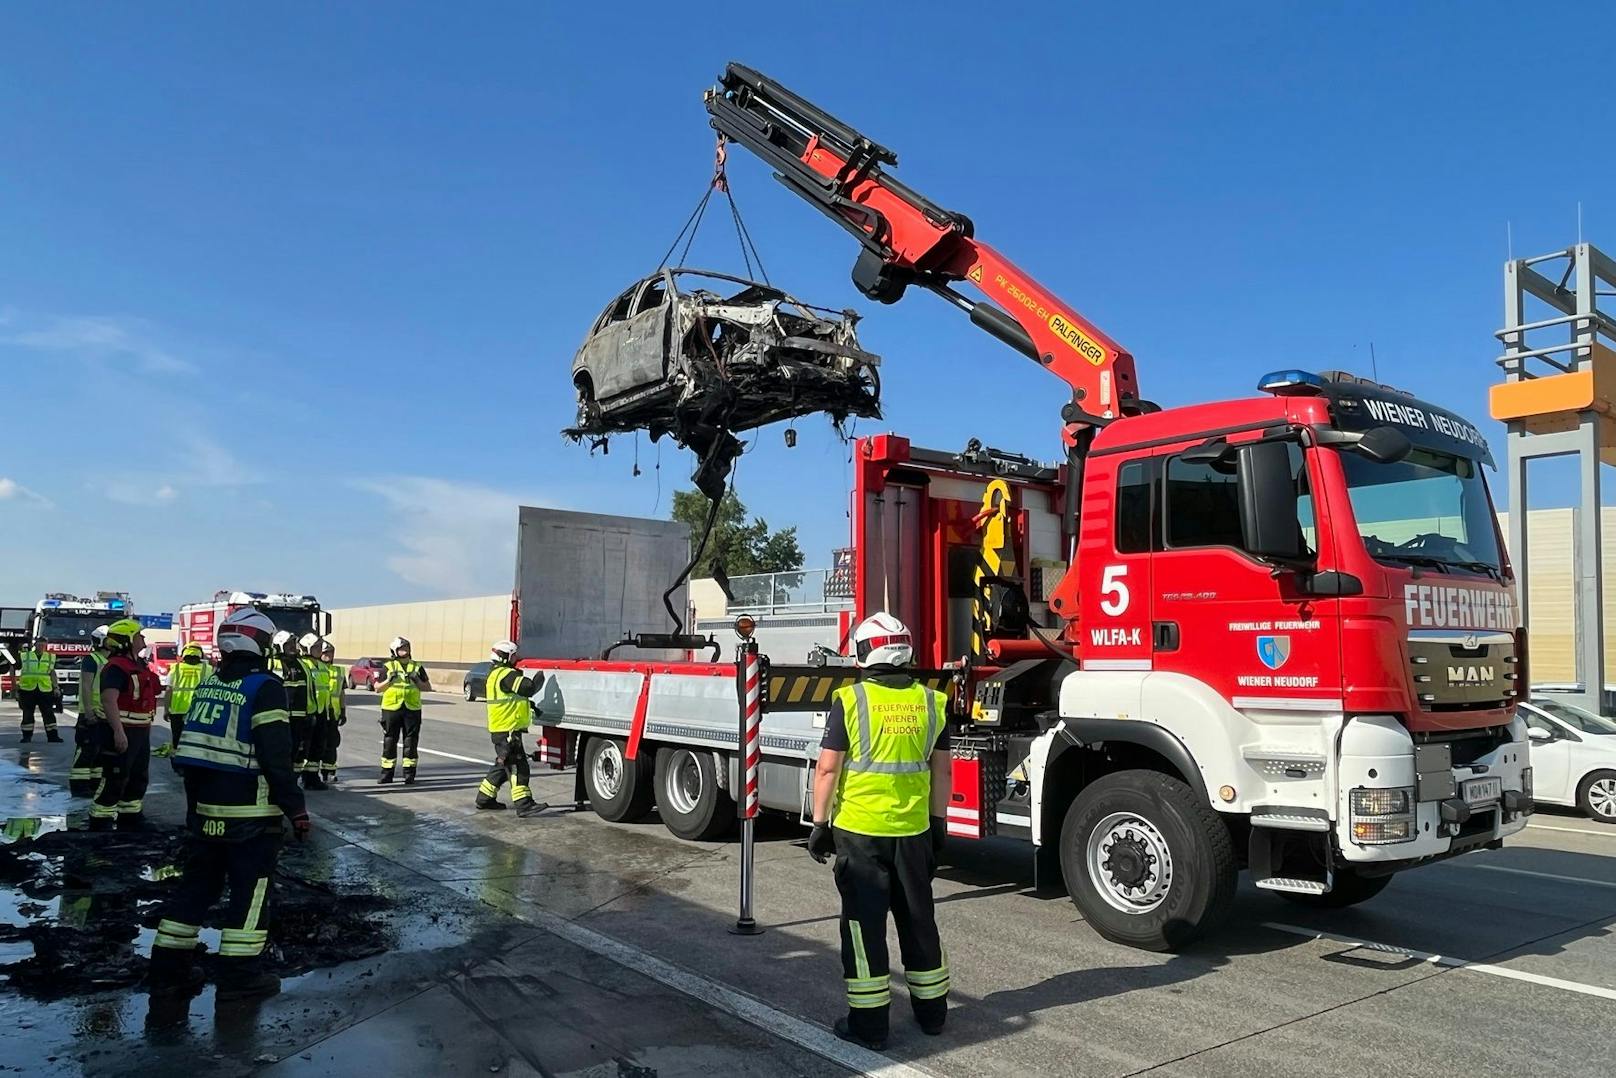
[218, 735]
[183, 678]
[319, 685]
[336, 675]
[137, 700]
[885, 783]
[507, 711]
[90, 686]
[401, 691]
[296, 679]
[36, 671]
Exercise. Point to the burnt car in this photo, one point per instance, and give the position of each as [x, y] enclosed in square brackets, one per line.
[698, 355]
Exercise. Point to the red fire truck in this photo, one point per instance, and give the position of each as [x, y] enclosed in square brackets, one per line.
[1275, 633]
[65, 622]
[298, 614]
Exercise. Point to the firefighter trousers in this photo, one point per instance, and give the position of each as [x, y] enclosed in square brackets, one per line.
[510, 762]
[314, 751]
[328, 750]
[401, 723]
[121, 793]
[302, 735]
[877, 877]
[247, 868]
[85, 773]
[31, 700]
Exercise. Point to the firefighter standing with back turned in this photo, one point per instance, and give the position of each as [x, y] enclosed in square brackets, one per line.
[37, 688]
[85, 773]
[129, 690]
[319, 704]
[401, 709]
[509, 714]
[286, 665]
[337, 678]
[884, 763]
[236, 755]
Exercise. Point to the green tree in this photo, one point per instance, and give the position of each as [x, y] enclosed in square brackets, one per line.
[739, 545]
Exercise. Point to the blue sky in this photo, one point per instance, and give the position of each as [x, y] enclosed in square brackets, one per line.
[288, 295]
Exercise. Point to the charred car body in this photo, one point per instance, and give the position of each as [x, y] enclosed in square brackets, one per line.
[699, 355]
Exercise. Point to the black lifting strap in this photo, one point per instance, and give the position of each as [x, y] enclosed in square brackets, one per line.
[743, 235]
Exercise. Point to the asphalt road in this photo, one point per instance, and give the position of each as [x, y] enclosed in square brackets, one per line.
[1498, 963]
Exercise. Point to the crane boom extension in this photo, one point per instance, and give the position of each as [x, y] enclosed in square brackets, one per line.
[908, 239]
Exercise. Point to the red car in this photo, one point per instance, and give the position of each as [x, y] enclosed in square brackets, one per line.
[162, 656]
[364, 673]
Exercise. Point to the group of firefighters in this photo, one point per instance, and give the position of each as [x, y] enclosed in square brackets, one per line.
[250, 736]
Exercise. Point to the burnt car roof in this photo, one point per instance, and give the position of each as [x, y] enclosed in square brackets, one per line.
[690, 362]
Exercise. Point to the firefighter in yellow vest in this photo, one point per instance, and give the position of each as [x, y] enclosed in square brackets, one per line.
[37, 689]
[880, 803]
[314, 670]
[508, 692]
[183, 678]
[401, 709]
[85, 773]
[336, 677]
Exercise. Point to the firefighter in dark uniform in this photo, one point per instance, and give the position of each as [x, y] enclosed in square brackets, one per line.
[401, 709]
[880, 804]
[235, 754]
[287, 665]
[337, 679]
[37, 689]
[508, 692]
[85, 774]
[314, 673]
[129, 692]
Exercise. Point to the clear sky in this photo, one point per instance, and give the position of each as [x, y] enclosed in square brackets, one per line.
[289, 293]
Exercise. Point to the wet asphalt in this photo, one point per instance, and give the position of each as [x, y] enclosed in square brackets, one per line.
[1499, 963]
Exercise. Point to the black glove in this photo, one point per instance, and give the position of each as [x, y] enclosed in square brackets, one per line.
[301, 826]
[939, 834]
[821, 843]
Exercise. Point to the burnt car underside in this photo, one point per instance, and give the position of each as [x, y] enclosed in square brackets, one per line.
[700, 355]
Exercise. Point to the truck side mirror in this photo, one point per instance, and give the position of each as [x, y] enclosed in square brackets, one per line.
[1385, 445]
[1269, 527]
[325, 623]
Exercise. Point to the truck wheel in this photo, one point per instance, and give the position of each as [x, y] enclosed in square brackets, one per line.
[688, 798]
[1146, 861]
[1349, 890]
[619, 788]
[1596, 796]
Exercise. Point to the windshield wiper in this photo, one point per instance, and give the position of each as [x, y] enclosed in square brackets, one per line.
[1483, 567]
[1417, 559]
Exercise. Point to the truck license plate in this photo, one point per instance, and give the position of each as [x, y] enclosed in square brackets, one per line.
[1483, 791]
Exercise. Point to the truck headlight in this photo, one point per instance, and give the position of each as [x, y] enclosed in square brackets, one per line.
[1382, 816]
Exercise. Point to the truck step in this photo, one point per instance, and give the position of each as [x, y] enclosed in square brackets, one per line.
[1287, 822]
[1300, 887]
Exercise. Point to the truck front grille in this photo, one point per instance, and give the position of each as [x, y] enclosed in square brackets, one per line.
[1455, 670]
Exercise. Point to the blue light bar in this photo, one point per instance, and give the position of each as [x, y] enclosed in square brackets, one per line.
[1291, 383]
[116, 604]
[50, 603]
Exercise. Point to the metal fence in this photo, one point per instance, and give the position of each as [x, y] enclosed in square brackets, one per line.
[801, 592]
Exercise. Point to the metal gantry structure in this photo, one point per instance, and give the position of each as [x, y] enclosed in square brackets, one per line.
[1559, 400]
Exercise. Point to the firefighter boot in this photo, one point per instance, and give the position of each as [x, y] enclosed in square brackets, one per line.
[132, 822]
[386, 776]
[52, 735]
[529, 807]
[173, 970]
[245, 979]
[409, 776]
[101, 823]
[489, 804]
[871, 1039]
[311, 781]
[27, 736]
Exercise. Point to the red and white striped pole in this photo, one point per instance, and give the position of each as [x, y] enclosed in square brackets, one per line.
[749, 690]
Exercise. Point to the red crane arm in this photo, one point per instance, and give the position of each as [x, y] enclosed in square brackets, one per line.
[907, 239]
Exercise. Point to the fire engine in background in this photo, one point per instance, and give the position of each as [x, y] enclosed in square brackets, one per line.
[1275, 633]
[297, 614]
[66, 622]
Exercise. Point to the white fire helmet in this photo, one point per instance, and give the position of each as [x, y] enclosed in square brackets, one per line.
[284, 640]
[99, 636]
[503, 651]
[399, 644]
[246, 630]
[882, 639]
[308, 641]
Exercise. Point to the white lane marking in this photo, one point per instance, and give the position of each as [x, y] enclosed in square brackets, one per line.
[1611, 833]
[1451, 963]
[816, 1039]
[451, 755]
[1538, 875]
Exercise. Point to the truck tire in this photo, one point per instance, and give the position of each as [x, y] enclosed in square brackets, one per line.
[1147, 862]
[688, 798]
[1596, 796]
[619, 788]
[1349, 890]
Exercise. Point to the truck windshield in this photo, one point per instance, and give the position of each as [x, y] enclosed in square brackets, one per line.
[1427, 509]
[294, 620]
[70, 628]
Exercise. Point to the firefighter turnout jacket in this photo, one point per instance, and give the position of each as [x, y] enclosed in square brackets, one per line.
[508, 691]
[884, 788]
[36, 671]
[90, 684]
[295, 679]
[403, 685]
[235, 752]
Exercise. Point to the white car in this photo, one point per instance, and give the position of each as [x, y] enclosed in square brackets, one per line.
[1573, 757]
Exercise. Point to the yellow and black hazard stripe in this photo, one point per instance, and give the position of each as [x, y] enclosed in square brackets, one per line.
[809, 688]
